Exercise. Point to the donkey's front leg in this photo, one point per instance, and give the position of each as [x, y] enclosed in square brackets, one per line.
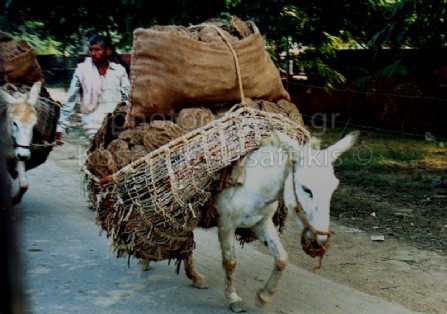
[268, 235]
[23, 183]
[227, 245]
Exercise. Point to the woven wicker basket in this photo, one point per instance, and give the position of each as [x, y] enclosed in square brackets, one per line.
[150, 207]
[47, 117]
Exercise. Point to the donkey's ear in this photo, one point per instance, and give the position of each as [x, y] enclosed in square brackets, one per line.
[315, 142]
[342, 145]
[285, 141]
[34, 93]
[9, 99]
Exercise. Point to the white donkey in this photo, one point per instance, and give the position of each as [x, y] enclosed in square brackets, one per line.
[279, 171]
[22, 118]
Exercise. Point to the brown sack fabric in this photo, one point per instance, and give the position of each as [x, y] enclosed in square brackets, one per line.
[173, 67]
[18, 63]
[23, 69]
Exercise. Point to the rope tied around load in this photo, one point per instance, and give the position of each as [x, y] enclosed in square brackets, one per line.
[233, 53]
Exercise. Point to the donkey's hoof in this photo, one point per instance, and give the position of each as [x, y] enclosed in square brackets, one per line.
[18, 197]
[264, 297]
[145, 265]
[200, 284]
[238, 307]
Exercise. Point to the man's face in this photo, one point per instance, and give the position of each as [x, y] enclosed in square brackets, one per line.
[98, 53]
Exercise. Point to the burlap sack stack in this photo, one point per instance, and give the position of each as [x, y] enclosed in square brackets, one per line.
[201, 99]
[18, 64]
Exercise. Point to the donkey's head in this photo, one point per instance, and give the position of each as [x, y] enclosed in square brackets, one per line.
[311, 184]
[23, 118]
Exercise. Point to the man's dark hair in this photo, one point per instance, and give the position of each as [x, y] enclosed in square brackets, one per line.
[100, 39]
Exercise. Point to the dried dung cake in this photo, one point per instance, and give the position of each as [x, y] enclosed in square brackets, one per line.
[193, 118]
[159, 133]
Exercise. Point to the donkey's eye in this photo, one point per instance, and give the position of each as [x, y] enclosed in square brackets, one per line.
[308, 191]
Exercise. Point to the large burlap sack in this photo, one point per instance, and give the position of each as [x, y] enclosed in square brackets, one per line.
[18, 63]
[174, 67]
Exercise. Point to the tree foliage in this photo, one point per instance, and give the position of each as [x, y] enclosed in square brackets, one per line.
[71, 21]
[414, 23]
[321, 26]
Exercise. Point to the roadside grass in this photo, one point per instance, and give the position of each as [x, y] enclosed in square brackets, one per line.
[393, 185]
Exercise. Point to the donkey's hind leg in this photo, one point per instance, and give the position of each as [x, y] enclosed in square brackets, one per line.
[198, 280]
[227, 244]
[268, 235]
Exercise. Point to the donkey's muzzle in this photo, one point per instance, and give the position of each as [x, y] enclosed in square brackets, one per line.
[22, 153]
[314, 242]
[319, 239]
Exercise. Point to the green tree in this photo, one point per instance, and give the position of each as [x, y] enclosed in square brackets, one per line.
[322, 27]
[70, 21]
[414, 23]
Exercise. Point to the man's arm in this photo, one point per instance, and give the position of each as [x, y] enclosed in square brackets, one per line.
[68, 107]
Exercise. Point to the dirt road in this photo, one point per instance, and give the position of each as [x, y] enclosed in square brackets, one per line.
[391, 270]
[68, 270]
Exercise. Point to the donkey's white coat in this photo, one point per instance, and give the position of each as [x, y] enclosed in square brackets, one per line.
[280, 170]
